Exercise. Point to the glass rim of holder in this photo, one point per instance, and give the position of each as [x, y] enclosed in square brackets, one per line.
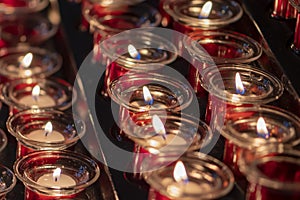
[179, 11]
[240, 116]
[64, 92]
[10, 181]
[197, 132]
[39, 27]
[33, 6]
[115, 2]
[46, 71]
[248, 48]
[45, 160]
[37, 118]
[211, 168]
[249, 165]
[127, 13]
[3, 140]
[272, 86]
[122, 86]
[120, 43]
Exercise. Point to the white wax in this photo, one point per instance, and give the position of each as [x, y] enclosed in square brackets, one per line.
[42, 101]
[176, 189]
[64, 180]
[170, 139]
[39, 136]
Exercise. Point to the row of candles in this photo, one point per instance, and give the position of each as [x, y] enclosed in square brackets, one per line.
[245, 89]
[236, 88]
[38, 118]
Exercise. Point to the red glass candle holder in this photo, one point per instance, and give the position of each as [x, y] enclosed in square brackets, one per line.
[241, 132]
[149, 55]
[36, 170]
[283, 10]
[32, 28]
[273, 173]
[259, 87]
[221, 47]
[168, 94]
[107, 21]
[7, 181]
[22, 6]
[28, 127]
[183, 133]
[189, 16]
[207, 178]
[54, 93]
[296, 43]
[14, 64]
[102, 5]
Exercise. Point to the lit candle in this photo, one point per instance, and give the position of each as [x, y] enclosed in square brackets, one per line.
[237, 85]
[36, 99]
[182, 184]
[44, 129]
[165, 134]
[162, 138]
[47, 135]
[192, 177]
[215, 47]
[206, 9]
[133, 52]
[261, 128]
[142, 102]
[146, 55]
[147, 96]
[24, 62]
[256, 126]
[52, 174]
[189, 16]
[56, 179]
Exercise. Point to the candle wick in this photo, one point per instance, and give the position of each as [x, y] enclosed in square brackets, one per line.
[149, 102]
[46, 133]
[240, 91]
[21, 66]
[185, 181]
[35, 98]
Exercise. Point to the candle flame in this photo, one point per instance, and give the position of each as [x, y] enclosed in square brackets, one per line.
[158, 126]
[56, 174]
[26, 61]
[179, 173]
[36, 92]
[239, 84]
[261, 128]
[133, 52]
[206, 9]
[147, 95]
[48, 128]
